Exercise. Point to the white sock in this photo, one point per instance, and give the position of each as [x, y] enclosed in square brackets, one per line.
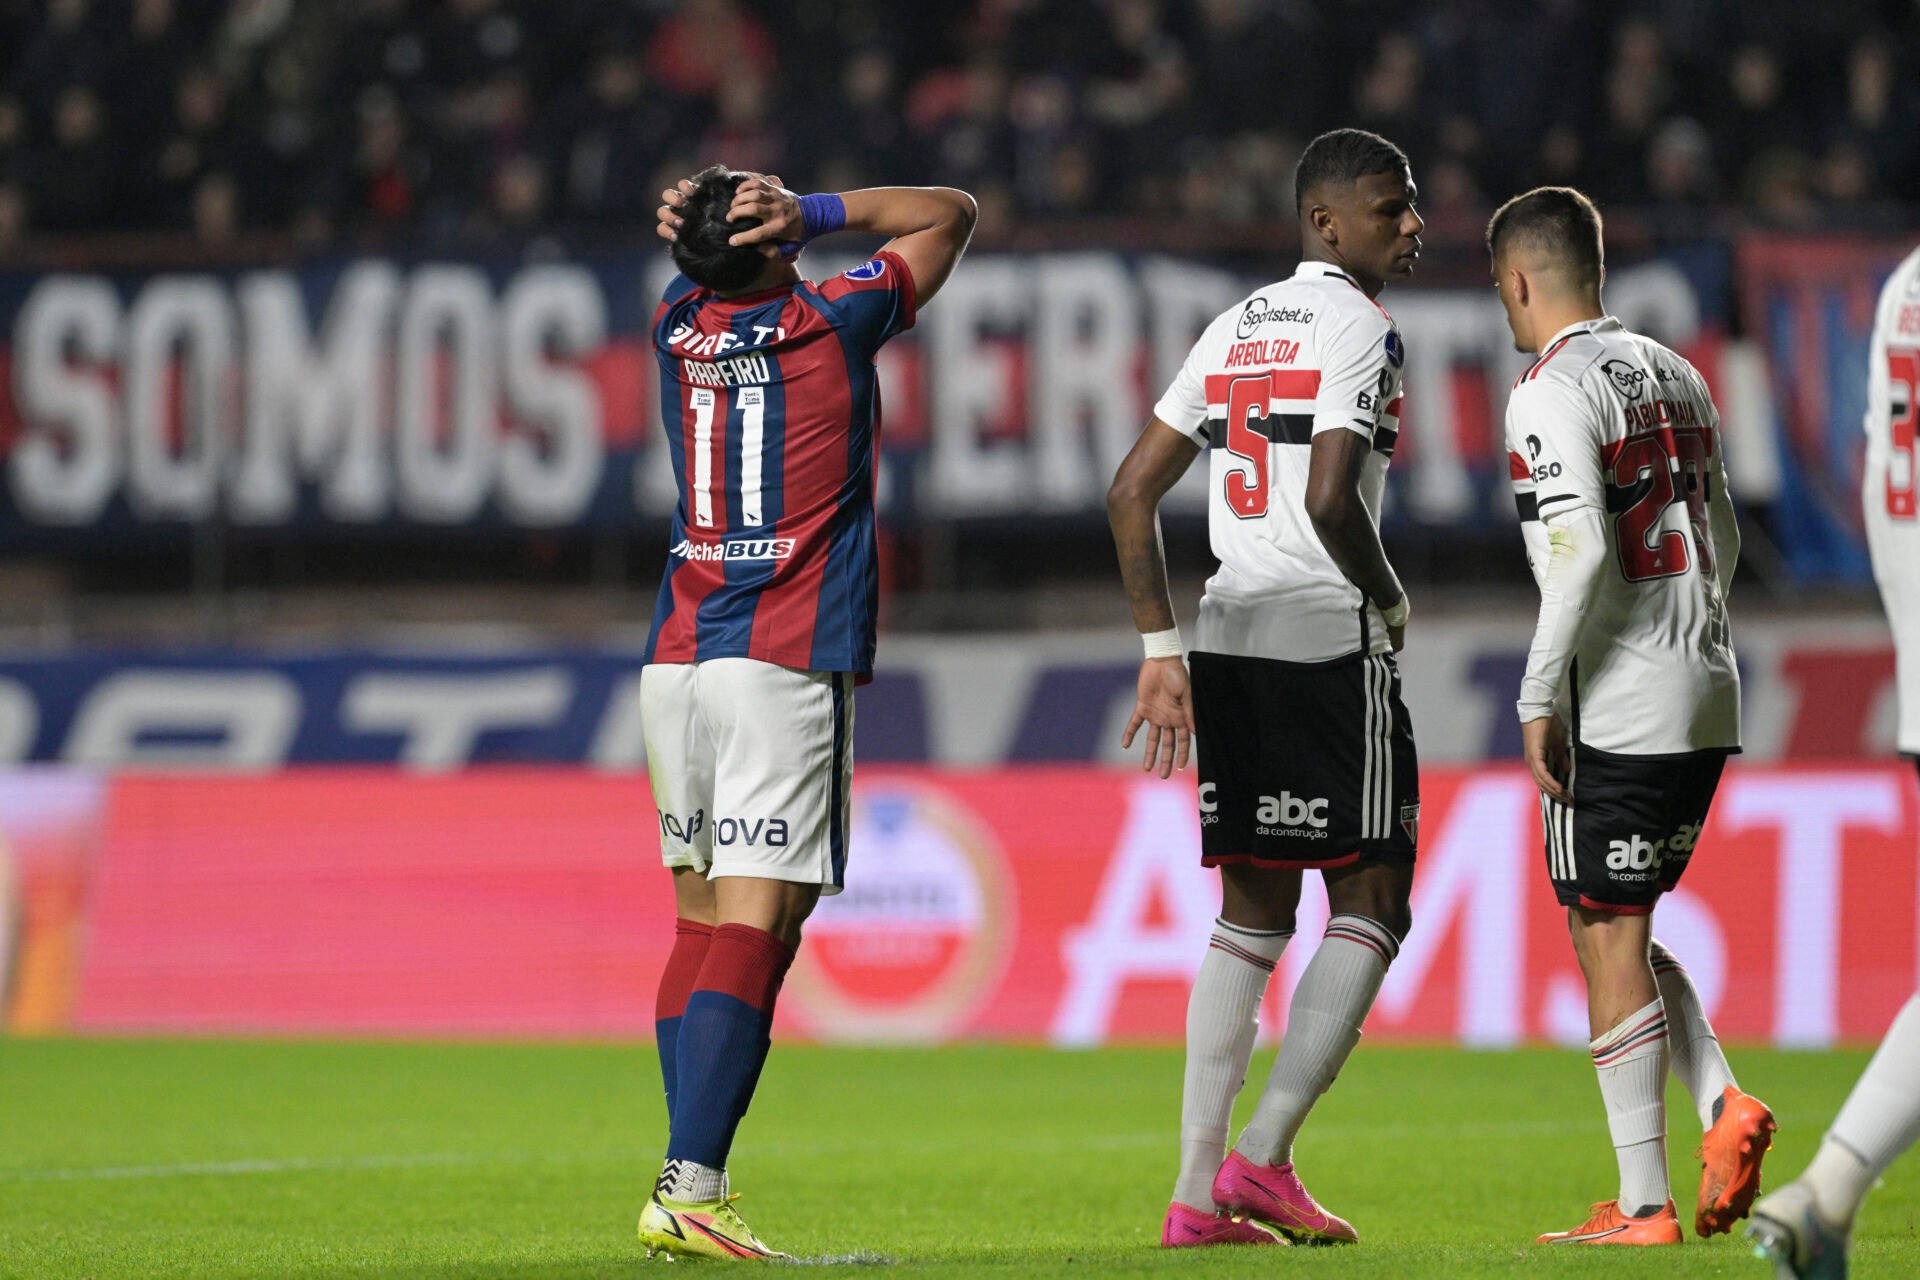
[690, 1183]
[1631, 1061]
[1222, 1019]
[1880, 1119]
[1698, 1064]
[1323, 1025]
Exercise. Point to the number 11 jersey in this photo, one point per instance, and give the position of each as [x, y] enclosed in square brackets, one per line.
[1614, 423]
[1308, 355]
[772, 413]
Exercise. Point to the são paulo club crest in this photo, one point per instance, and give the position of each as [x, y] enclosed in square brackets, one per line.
[921, 933]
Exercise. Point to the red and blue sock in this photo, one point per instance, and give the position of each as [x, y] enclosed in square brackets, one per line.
[690, 942]
[723, 1039]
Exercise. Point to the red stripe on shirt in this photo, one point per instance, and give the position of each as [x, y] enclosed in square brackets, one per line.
[1288, 384]
[1517, 468]
[818, 405]
[1547, 355]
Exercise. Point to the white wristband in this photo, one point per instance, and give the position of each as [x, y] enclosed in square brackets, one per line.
[1397, 616]
[1162, 644]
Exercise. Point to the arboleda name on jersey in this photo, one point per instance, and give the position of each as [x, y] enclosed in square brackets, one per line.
[744, 549]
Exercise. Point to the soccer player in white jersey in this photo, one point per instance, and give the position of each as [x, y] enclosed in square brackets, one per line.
[1306, 756]
[1631, 700]
[1804, 1227]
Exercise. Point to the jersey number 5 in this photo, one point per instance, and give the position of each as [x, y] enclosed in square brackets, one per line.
[1903, 380]
[1248, 398]
[1654, 471]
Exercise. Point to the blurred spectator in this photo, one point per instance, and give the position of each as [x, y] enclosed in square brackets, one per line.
[1638, 88]
[216, 209]
[707, 43]
[1882, 118]
[74, 189]
[427, 118]
[743, 131]
[1680, 166]
[13, 217]
[1755, 114]
[607, 135]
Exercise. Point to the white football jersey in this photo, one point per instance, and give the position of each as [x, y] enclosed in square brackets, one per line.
[1888, 498]
[1615, 423]
[1308, 354]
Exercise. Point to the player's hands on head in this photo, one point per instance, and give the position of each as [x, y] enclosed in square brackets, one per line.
[1544, 746]
[1165, 705]
[672, 200]
[762, 196]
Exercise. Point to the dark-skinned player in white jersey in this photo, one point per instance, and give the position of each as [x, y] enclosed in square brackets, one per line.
[1306, 756]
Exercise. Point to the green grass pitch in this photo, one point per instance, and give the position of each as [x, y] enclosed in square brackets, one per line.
[270, 1159]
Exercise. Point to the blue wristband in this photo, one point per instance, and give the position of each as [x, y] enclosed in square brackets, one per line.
[821, 214]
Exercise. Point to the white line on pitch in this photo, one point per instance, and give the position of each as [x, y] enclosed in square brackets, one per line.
[230, 1168]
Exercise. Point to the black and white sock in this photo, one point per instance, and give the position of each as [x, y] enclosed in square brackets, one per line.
[685, 1182]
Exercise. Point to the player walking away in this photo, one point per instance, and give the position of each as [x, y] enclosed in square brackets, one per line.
[1631, 702]
[1804, 1226]
[1306, 753]
[765, 622]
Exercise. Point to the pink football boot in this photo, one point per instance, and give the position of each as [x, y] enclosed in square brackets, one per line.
[1273, 1194]
[1189, 1228]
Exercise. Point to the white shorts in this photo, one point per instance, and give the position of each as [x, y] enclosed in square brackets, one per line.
[751, 766]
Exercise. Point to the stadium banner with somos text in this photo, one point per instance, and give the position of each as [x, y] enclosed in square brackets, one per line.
[394, 392]
[1814, 689]
[1062, 905]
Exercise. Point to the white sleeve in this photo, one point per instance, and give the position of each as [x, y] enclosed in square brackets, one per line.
[1184, 405]
[1359, 374]
[1526, 500]
[1576, 560]
[1560, 433]
[1556, 431]
[1723, 522]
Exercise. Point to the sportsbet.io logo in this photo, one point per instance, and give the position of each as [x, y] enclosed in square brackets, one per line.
[923, 930]
[1627, 380]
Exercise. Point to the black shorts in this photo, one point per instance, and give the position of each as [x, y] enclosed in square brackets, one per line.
[1304, 764]
[1632, 828]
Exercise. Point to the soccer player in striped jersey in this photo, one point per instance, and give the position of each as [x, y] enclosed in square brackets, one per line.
[1306, 755]
[765, 622]
[1805, 1226]
[1631, 700]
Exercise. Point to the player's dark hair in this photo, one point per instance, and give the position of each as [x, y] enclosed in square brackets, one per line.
[1559, 222]
[1341, 157]
[701, 250]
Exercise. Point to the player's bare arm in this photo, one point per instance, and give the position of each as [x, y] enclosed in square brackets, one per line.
[1340, 518]
[1164, 702]
[930, 226]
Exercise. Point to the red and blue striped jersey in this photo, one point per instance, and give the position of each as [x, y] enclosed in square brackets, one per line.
[772, 410]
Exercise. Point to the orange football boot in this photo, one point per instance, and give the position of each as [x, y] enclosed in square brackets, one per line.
[1730, 1156]
[1610, 1226]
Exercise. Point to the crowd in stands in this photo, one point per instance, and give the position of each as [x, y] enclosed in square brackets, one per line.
[455, 121]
